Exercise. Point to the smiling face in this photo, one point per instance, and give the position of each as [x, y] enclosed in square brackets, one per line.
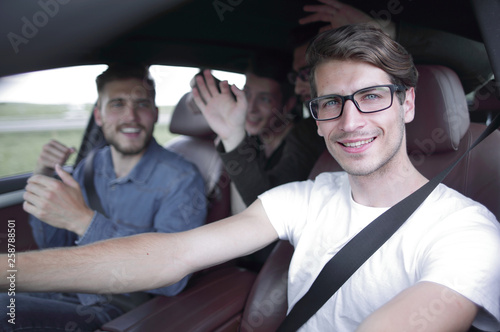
[127, 114]
[362, 143]
[265, 103]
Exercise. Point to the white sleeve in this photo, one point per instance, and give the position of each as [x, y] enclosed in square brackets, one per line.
[287, 208]
[465, 257]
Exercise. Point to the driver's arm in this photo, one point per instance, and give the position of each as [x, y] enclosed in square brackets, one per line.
[426, 306]
[141, 262]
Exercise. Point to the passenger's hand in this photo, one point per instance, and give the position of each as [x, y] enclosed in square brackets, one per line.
[58, 203]
[53, 153]
[225, 115]
[339, 14]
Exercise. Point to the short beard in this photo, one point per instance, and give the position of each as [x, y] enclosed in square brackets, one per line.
[131, 151]
[383, 167]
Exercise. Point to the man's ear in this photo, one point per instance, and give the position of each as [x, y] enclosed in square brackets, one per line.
[409, 105]
[157, 114]
[97, 115]
[320, 133]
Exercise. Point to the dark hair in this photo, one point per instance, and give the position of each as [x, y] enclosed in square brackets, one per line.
[363, 42]
[303, 34]
[273, 65]
[123, 71]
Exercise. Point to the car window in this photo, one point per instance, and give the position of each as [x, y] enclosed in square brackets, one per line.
[56, 104]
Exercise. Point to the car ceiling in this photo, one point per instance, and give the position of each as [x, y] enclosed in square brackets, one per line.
[219, 34]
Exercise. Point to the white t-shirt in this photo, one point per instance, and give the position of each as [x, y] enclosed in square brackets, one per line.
[450, 240]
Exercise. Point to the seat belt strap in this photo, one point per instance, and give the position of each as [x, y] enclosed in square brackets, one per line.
[125, 302]
[348, 260]
[88, 182]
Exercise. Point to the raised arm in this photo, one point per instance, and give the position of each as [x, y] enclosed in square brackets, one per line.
[140, 262]
[468, 58]
[338, 14]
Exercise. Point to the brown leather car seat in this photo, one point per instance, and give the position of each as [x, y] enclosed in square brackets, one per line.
[485, 104]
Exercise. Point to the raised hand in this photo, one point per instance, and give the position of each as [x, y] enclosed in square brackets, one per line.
[225, 115]
[339, 14]
[53, 153]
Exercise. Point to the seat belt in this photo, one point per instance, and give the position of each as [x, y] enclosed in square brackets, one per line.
[125, 302]
[361, 247]
[88, 182]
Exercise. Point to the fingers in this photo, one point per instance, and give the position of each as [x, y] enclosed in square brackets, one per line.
[206, 85]
[213, 89]
[321, 9]
[42, 180]
[334, 12]
[66, 177]
[322, 13]
[57, 151]
[200, 103]
[240, 94]
[52, 153]
[333, 3]
[207, 88]
[38, 190]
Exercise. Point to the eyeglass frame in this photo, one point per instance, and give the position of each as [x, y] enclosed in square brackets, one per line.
[393, 87]
[293, 75]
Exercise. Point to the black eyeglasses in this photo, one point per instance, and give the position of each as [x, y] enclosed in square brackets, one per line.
[303, 74]
[368, 100]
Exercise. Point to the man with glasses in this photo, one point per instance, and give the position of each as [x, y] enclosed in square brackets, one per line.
[423, 278]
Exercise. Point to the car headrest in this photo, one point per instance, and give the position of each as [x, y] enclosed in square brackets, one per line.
[187, 120]
[441, 113]
[486, 99]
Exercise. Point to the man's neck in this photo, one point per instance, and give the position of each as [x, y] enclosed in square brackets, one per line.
[122, 163]
[272, 143]
[387, 186]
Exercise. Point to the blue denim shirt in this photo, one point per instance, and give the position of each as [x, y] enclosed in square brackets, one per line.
[163, 193]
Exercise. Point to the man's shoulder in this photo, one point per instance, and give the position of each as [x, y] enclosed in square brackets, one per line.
[443, 193]
[449, 201]
[165, 158]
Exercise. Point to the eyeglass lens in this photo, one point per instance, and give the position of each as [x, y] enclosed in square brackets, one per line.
[303, 74]
[367, 100]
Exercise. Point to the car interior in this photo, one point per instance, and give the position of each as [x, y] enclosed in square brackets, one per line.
[224, 34]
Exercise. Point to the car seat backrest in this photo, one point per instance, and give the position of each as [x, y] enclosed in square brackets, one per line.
[440, 133]
[195, 144]
[486, 102]
[266, 306]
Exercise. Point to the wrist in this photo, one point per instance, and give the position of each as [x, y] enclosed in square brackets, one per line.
[83, 224]
[230, 143]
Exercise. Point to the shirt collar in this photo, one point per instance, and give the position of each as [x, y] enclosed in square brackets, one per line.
[141, 172]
